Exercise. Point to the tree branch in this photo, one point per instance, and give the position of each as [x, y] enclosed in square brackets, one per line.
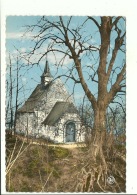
[78, 67]
[91, 18]
[116, 87]
[116, 21]
[115, 102]
[114, 54]
[118, 44]
[83, 83]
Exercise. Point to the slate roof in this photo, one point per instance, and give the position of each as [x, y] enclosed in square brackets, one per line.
[32, 101]
[58, 110]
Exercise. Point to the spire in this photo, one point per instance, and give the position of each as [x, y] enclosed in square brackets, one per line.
[46, 77]
[46, 72]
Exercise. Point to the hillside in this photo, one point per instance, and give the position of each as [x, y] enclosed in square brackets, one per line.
[48, 168]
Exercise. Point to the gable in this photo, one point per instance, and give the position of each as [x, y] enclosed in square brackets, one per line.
[58, 110]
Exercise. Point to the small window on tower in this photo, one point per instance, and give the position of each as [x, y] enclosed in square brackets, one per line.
[46, 81]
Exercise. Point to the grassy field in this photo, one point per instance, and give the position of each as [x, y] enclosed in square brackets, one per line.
[46, 168]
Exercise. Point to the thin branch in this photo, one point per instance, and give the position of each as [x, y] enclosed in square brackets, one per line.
[115, 102]
[47, 180]
[116, 86]
[91, 18]
[10, 164]
[116, 21]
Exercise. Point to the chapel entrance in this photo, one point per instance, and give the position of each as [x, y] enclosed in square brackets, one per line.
[70, 132]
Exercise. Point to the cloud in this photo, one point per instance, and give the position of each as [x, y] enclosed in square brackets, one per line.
[79, 96]
[24, 80]
[13, 35]
[53, 58]
[23, 49]
[19, 35]
[57, 58]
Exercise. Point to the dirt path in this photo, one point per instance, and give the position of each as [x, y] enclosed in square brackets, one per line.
[69, 146]
[39, 142]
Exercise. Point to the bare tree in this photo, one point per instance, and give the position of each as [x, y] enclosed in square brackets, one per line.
[104, 70]
[9, 97]
[13, 89]
[17, 93]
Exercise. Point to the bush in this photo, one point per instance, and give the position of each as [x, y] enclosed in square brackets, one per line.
[59, 152]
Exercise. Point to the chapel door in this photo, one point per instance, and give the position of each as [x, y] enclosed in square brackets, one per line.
[70, 132]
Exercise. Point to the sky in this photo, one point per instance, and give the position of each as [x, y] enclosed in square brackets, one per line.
[16, 40]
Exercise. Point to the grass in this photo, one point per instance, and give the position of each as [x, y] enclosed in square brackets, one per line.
[34, 166]
[43, 168]
[58, 152]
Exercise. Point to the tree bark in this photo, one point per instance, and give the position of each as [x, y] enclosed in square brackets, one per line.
[99, 134]
[99, 129]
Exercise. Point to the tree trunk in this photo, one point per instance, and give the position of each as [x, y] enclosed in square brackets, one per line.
[17, 93]
[99, 134]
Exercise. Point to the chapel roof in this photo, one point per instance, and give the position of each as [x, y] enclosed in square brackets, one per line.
[58, 110]
[32, 101]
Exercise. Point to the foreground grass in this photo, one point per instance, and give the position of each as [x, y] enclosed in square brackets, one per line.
[44, 168]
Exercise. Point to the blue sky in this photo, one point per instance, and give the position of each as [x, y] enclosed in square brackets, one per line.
[15, 28]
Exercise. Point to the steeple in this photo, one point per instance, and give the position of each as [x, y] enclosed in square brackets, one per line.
[46, 77]
[46, 72]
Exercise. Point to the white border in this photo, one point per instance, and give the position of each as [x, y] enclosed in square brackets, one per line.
[87, 7]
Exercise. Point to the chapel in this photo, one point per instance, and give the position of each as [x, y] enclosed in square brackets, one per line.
[50, 113]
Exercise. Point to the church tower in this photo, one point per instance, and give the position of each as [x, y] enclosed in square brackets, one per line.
[46, 77]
